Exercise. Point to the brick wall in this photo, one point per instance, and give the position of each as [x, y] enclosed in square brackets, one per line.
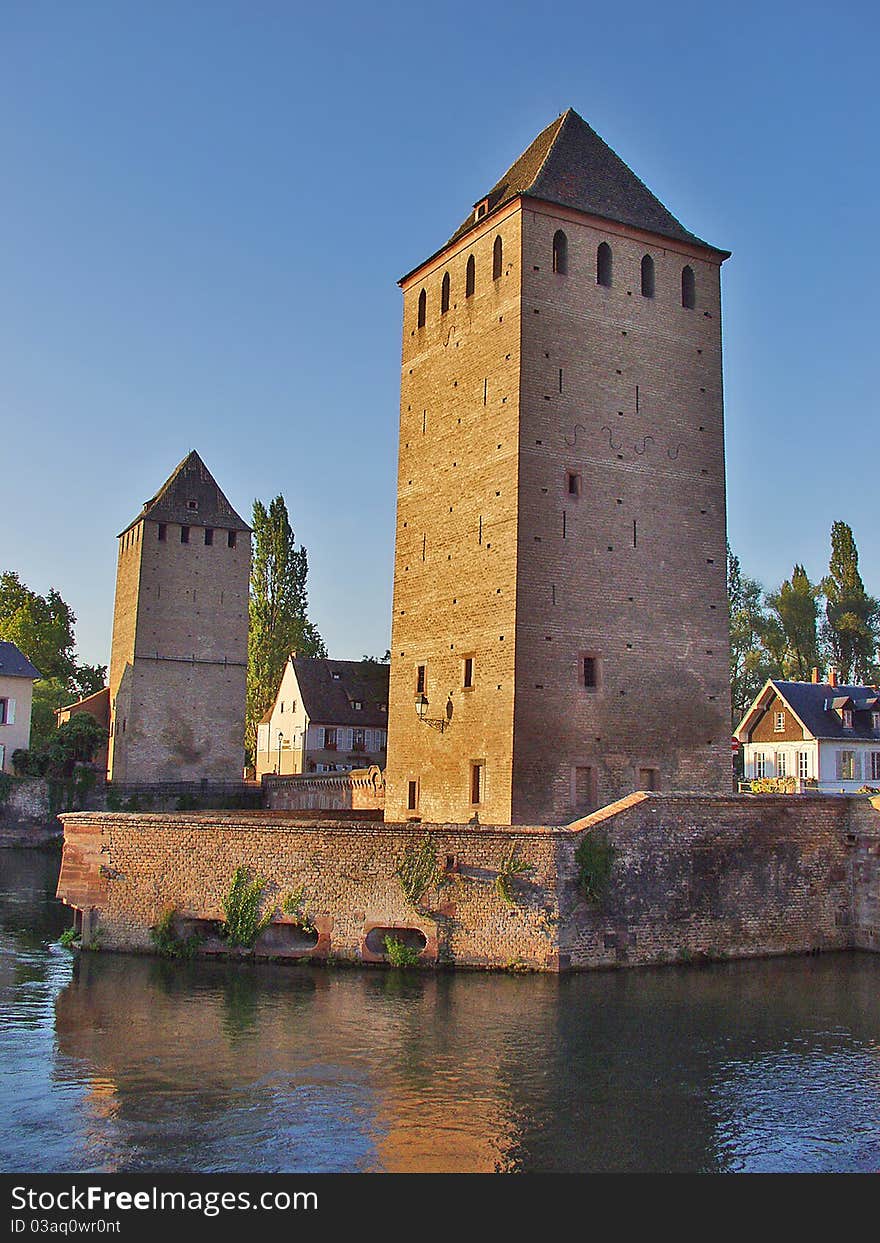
[693, 878]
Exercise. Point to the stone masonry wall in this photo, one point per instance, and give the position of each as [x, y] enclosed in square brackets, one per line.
[693, 877]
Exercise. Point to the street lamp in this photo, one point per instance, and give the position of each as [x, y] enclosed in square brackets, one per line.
[438, 723]
[280, 740]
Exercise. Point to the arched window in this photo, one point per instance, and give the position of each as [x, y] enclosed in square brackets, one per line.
[497, 259]
[444, 294]
[423, 308]
[604, 262]
[647, 277]
[470, 277]
[688, 288]
[560, 252]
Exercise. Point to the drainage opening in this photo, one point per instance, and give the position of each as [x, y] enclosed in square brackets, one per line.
[286, 939]
[412, 938]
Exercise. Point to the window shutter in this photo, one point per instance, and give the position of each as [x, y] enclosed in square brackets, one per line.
[10, 711]
[839, 758]
[857, 766]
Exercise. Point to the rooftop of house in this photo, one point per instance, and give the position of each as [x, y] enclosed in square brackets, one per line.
[330, 688]
[819, 707]
[569, 164]
[99, 701]
[190, 496]
[14, 663]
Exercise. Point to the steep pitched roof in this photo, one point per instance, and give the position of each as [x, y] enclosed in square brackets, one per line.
[191, 484]
[14, 663]
[817, 704]
[330, 687]
[568, 163]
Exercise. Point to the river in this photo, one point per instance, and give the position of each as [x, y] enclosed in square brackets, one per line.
[118, 1063]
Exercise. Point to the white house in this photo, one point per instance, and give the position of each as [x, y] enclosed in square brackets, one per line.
[17, 677]
[328, 716]
[825, 735]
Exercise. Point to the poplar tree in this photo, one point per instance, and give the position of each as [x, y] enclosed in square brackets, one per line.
[852, 618]
[792, 631]
[277, 609]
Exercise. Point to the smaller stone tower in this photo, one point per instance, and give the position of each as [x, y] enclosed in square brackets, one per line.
[178, 663]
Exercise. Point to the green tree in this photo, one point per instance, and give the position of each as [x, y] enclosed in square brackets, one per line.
[852, 618]
[791, 635]
[43, 628]
[750, 662]
[279, 622]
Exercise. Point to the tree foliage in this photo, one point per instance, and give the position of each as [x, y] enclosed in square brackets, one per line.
[791, 632]
[278, 616]
[750, 664]
[852, 618]
[42, 627]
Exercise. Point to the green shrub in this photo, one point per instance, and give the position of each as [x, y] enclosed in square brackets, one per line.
[69, 938]
[774, 785]
[6, 783]
[594, 858]
[168, 944]
[293, 904]
[511, 869]
[242, 923]
[418, 870]
[400, 955]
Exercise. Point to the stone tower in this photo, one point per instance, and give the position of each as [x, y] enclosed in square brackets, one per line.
[560, 568]
[178, 663]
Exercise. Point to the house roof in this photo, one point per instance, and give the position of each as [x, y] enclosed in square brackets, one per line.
[14, 663]
[330, 687]
[99, 700]
[191, 482]
[568, 163]
[817, 706]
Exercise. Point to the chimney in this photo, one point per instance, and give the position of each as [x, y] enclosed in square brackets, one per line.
[832, 677]
[814, 677]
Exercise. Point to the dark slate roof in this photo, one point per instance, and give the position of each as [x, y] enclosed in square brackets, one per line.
[191, 481]
[812, 703]
[568, 163]
[327, 698]
[14, 664]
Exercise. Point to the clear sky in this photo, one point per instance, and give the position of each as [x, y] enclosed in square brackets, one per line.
[206, 207]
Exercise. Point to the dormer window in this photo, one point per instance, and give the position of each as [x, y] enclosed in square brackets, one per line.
[847, 717]
[335, 675]
[481, 208]
[193, 506]
[779, 722]
[357, 704]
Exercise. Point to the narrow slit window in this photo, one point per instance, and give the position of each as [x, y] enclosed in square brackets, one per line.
[230, 539]
[209, 536]
[444, 294]
[421, 679]
[590, 672]
[423, 308]
[412, 795]
[560, 252]
[470, 278]
[163, 533]
[573, 484]
[688, 288]
[497, 259]
[604, 265]
[647, 276]
[184, 535]
[467, 680]
[477, 783]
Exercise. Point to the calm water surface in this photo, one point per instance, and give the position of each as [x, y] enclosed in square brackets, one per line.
[116, 1063]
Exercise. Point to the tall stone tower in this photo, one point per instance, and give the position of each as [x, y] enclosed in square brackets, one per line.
[178, 663]
[560, 569]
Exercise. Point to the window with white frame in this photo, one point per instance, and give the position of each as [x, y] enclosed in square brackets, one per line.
[781, 764]
[875, 720]
[803, 761]
[779, 722]
[847, 718]
[875, 765]
[760, 764]
[848, 766]
[2, 756]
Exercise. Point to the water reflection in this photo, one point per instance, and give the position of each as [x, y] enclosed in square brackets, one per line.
[135, 1064]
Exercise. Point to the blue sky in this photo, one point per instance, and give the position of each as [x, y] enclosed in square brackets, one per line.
[206, 207]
